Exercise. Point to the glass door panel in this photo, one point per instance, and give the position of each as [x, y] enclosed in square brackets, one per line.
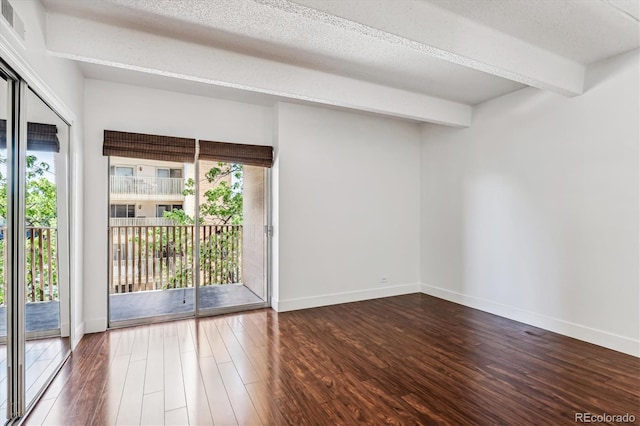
[232, 206]
[151, 240]
[46, 304]
[4, 104]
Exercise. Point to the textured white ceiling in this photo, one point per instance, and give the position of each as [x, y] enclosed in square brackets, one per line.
[583, 30]
[260, 30]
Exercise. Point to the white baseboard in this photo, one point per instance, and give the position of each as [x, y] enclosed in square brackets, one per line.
[95, 325]
[346, 297]
[577, 331]
[77, 335]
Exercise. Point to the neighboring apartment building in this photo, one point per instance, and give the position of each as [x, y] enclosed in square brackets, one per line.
[140, 191]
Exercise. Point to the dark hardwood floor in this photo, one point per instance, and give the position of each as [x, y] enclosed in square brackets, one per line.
[402, 360]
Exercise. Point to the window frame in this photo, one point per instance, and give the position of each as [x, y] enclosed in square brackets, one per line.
[113, 208]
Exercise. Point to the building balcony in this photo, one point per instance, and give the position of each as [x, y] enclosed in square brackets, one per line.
[141, 221]
[132, 188]
[161, 257]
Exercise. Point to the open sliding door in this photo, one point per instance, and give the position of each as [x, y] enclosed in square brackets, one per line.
[232, 236]
[233, 226]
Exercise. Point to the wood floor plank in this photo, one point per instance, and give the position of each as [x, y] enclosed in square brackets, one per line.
[219, 404]
[218, 348]
[177, 417]
[140, 345]
[240, 400]
[174, 396]
[152, 409]
[126, 342]
[111, 395]
[256, 335]
[68, 388]
[195, 392]
[410, 359]
[238, 356]
[261, 397]
[185, 339]
[203, 348]
[130, 409]
[154, 374]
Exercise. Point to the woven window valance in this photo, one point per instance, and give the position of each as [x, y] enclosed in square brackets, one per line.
[40, 137]
[150, 147]
[252, 155]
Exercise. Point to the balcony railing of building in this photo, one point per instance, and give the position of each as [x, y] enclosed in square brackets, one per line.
[161, 257]
[146, 186]
[41, 260]
[141, 221]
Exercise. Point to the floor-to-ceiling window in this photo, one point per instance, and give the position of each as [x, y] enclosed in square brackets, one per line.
[34, 244]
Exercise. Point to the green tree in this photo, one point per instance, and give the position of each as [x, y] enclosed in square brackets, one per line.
[222, 205]
[222, 201]
[40, 207]
[40, 212]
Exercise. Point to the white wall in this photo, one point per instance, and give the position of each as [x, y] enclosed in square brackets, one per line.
[532, 212]
[347, 207]
[136, 109]
[60, 83]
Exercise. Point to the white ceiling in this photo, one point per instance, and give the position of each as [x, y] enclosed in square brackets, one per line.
[381, 41]
[583, 30]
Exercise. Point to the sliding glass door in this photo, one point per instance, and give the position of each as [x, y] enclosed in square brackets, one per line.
[46, 297]
[5, 92]
[152, 240]
[34, 267]
[185, 238]
[232, 219]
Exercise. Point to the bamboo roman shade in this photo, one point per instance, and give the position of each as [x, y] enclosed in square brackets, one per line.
[252, 155]
[40, 137]
[150, 147]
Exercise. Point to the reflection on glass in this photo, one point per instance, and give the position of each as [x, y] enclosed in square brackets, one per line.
[4, 102]
[231, 215]
[46, 245]
[151, 237]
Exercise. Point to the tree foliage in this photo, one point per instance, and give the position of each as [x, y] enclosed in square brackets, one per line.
[222, 204]
[40, 212]
[40, 206]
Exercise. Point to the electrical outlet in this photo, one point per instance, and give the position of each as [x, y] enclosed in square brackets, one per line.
[383, 280]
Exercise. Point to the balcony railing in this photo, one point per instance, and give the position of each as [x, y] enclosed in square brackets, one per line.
[41, 260]
[146, 186]
[141, 221]
[161, 257]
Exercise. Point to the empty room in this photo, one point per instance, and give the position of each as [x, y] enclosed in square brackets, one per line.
[319, 212]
